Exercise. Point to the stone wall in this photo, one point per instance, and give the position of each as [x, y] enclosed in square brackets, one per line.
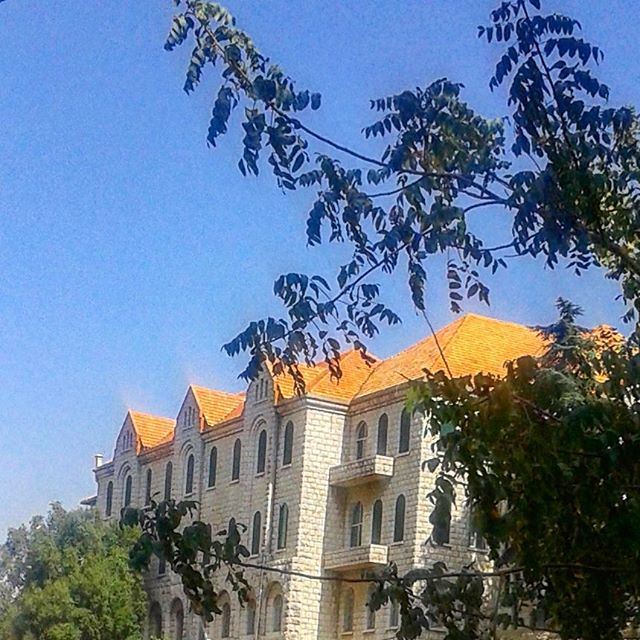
[319, 511]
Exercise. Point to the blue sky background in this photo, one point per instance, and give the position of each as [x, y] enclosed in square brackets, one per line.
[129, 252]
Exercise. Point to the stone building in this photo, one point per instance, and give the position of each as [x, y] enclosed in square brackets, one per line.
[328, 483]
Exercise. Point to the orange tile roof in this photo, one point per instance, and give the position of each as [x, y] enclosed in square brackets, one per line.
[151, 430]
[471, 344]
[319, 382]
[217, 406]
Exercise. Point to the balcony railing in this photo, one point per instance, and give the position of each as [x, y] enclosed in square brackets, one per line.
[361, 471]
[370, 556]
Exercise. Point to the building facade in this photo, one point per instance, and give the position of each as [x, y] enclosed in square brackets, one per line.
[329, 483]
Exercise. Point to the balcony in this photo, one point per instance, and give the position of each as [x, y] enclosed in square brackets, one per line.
[368, 557]
[362, 471]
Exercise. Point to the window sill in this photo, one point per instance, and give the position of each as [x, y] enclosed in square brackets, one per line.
[236, 481]
[404, 454]
[368, 631]
[210, 488]
[286, 466]
[396, 543]
[260, 474]
[346, 634]
[281, 551]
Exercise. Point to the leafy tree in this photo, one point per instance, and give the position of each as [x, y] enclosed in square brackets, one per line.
[67, 577]
[547, 455]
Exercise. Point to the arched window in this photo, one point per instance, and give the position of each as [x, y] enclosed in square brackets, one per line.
[235, 465]
[250, 626]
[376, 522]
[283, 525]
[225, 623]
[256, 533]
[361, 440]
[162, 567]
[147, 488]
[394, 615]
[370, 618]
[213, 463]
[168, 479]
[287, 450]
[109, 501]
[276, 614]
[177, 619]
[188, 485]
[347, 611]
[262, 452]
[355, 538]
[405, 431]
[398, 520]
[476, 539]
[155, 621]
[128, 488]
[441, 519]
[383, 431]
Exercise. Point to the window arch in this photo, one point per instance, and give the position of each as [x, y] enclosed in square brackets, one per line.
[394, 615]
[168, 479]
[276, 613]
[383, 432]
[361, 440]
[225, 622]
[256, 533]
[177, 619]
[109, 500]
[155, 620]
[261, 461]
[398, 521]
[287, 449]
[405, 432]
[347, 611]
[188, 484]
[476, 539]
[283, 525]
[235, 464]
[250, 620]
[376, 522]
[128, 489]
[370, 621]
[147, 488]
[441, 519]
[213, 464]
[355, 537]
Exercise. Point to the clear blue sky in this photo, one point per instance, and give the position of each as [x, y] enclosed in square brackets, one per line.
[129, 252]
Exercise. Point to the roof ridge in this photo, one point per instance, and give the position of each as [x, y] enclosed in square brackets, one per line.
[227, 393]
[133, 412]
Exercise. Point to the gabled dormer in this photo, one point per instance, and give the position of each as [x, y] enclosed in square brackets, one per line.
[127, 440]
[142, 431]
[261, 389]
[189, 417]
[214, 406]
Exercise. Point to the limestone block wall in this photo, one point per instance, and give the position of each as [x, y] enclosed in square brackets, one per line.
[324, 435]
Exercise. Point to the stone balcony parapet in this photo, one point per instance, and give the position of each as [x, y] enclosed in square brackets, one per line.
[371, 556]
[361, 471]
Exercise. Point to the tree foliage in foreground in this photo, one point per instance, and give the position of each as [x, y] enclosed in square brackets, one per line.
[67, 577]
[547, 456]
[562, 167]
